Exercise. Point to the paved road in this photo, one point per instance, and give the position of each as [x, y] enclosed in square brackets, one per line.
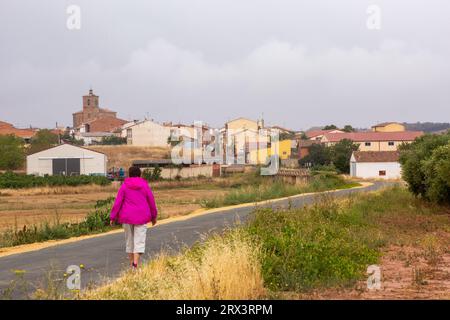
[104, 256]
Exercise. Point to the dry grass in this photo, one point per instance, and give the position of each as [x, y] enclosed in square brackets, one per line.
[220, 268]
[123, 155]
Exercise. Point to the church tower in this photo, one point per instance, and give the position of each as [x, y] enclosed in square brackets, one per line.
[90, 101]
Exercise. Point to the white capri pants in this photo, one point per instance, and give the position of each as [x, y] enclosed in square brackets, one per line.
[135, 235]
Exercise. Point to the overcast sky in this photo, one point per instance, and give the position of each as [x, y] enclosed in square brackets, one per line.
[300, 63]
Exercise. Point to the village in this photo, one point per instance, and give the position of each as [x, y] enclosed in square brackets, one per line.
[199, 150]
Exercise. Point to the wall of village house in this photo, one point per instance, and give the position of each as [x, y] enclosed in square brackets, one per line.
[371, 170]
[392, 127]
[148, 134]
[187, 172]
[376, 145]
[240, 124]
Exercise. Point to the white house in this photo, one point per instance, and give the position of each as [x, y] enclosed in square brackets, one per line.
[67, 159]
[147, 133]
[375, 164]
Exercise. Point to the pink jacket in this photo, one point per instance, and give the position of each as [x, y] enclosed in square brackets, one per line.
[135, 203]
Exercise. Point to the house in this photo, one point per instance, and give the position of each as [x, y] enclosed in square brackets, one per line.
[375, 164]
[388, 127]
[67, 159]
[373, 141]
[318, 134]
[147, 133]
[243, 136]
[260, 156]
[26, 134]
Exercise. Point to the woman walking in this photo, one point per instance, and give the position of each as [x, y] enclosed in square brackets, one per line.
[134, 207]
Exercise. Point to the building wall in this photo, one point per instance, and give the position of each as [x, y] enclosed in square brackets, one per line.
[242, 124]
[149, 134]
[91, 162]
[260, 156]
[376, 145]
[187, 172]
[369, 170]
[392, 127]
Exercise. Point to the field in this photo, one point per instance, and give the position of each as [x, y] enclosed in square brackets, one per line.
[317, 252]
[72, 204]
[121, 156]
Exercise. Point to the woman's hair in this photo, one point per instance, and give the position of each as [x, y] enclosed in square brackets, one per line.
[134, 172]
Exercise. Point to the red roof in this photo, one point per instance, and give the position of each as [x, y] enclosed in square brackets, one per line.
[376, 156]
[7, 128]
[315, 133]
[373, 136]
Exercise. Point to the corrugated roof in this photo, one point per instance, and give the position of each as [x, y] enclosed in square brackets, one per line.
[373, 136]
[376, 156]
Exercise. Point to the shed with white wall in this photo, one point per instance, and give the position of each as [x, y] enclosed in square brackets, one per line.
[67, 159]
[375, 165]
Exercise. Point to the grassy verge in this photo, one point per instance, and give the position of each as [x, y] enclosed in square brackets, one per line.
[222, 268]
[329, 244]
[263, 188]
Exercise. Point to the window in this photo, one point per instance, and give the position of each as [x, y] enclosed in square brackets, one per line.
[89, 102]
[382, 173]
[391, 143]
[129, 133]
[367, 144]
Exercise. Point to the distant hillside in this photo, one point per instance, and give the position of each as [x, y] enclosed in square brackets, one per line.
[427, 126]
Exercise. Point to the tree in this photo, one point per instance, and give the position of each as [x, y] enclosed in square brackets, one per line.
[319, 155]
[348, 128]
[341, 153]
[425, 167]
[330, 127]
[338, 155]
[43, 139]
[303, 136]
[437, 175]
[113, 140]
[66, 137]
[12, 152]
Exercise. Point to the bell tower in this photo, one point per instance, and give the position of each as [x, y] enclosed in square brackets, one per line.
[90, 101]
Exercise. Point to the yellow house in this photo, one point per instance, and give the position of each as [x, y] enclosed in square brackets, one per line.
[261, 156]
[388, 127]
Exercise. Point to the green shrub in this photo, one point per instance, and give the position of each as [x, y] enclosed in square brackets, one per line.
[12, 152]
[152, 174]
[10, 180]
[425, 167]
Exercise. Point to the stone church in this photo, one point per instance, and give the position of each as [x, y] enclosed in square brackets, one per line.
[95, 119]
